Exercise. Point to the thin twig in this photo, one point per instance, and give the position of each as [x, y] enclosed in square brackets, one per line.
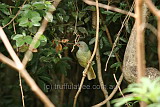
[117, 38]
[120, 89]
[93, 54]
[112, 94]
[118, 86]
[89, 2]
[99, 72]
[21, 87]
[15, 15]
[20, 80]
[22, 70]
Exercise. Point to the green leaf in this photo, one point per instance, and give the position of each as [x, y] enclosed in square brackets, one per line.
[51, 8]
[63, 69]
[59, 17]
[23, 22]
[5, 11]
[74, 14]
[92, 41]
[87, 19]
[45, 78]
[26, 6]
[43, 40]
[36, 19]
[108, 53]
[107, 12]
[39, 5]
[66, 18]
[48, 2]
[80, 23]
[91, 8]
[5, 21]
[37, 44]
[28, 39]
[116, 17]
[23, 48]
[20, 42]
[116, 65]
[123, 39]
[49, 17]
[36, 24]
[81, 15]
[83, 30]
[17, 36]
[33, 14]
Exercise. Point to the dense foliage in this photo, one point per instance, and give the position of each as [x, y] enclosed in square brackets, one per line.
[52, 63]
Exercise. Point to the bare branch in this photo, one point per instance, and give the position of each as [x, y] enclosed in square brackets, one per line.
[112, 94]
[19, 66]
[7, 61]
[93, 54]
[140, 41]
[151, 6]
[89, 2]
[99, 72]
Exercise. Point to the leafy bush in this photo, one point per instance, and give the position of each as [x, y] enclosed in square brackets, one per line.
[147, 90]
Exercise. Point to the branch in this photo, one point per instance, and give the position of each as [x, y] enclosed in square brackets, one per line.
[15, 15]
[112, 94]
[19, 66]
[89, 2]
[117, 38]
[7, 61]
[99, 72]
[94, 52]
[140, 41]
[151, 6]
[37, 36]
[156, 12]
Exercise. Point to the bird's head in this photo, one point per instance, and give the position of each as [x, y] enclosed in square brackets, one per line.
[82, 45]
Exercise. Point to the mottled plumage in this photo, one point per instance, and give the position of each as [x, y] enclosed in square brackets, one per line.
[83, 55]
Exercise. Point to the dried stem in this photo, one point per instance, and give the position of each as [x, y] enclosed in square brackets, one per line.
[112, 94]
[93, 54]
[120, 89]
[21, 88]
[20, 80]
[22, 70]
[89, 2]
[117, 38]
[99, 72]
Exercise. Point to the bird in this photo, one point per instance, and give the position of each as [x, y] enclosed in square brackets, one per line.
[83, 55]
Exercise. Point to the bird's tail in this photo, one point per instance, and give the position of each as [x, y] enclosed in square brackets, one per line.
[90, 74]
